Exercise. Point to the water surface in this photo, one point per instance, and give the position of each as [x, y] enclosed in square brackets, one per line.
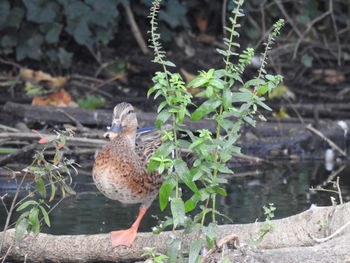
[286, 185]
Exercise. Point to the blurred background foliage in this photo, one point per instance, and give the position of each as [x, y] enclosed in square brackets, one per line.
[55, 30]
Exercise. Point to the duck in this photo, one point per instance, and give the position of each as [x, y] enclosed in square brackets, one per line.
[120, 168]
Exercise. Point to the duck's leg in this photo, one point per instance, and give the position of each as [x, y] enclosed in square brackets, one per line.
[127, 237]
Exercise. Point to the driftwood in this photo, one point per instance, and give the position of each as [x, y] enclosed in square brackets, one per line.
[266, 139]
[323, 110]
[294, 239]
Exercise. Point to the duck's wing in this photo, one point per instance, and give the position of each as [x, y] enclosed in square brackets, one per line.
[147, 142]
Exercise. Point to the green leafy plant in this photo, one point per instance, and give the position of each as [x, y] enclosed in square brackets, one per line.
[46, 29]
[91, 102]
[49, 178]
[268, 227]
[221, 102]
[154, 256]
[29, 27]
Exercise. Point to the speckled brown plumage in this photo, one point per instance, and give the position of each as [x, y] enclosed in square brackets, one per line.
[120, 169]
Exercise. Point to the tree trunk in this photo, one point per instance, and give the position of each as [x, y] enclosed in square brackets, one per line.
[294, 239]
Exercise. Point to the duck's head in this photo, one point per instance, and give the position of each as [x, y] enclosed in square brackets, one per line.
[124, 121]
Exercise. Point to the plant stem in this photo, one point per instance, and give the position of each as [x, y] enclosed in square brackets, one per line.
[230, 42]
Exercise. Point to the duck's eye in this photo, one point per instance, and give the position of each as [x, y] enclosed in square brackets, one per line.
[130, 111]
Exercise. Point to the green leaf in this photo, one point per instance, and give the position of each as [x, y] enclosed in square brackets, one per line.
[210, 234]
[227, 99]
[162, 117]
[249, 120]
[191, 203]
[307, 60]
[6, 150]
[40, 11]
[34, 219]
[152, 165]
[242, 96]
[198, 82]
[254, 82]
[173, 250]
[217, 83]
[164, 194]
[21, 228]
[26, 204]
[91, 102]
[222, 52]
[205, 108]
[46, 216]
[30, 48]
[53, 191]
[68, 189]
[4, 11]
[262, 89]
[82, 32]
[262, 104]
[53, 34]
[165, 149]
[169, 63]
[184, 174]
[40, 185]
[220, 190]
[178, 211]
[65, 58]
[195, 249]
[15, 18]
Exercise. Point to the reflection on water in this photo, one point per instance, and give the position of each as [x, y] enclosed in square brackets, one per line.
[287, 186]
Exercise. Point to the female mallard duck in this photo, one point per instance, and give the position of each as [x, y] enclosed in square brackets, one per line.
[120, 169]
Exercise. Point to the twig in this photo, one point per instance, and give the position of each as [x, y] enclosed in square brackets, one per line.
[135, 30]
[220, 244]
[223, 17]
[77, 76]
[3, 203]
[13, 203]
[7, 253]
[77, 123]
[250, 158]
[85, 86]
[321, 240]
[335, 32]
[339, 191]
[11, 89]
[319, 18]
[329, 179]
[8, 157]
[33, 136]
[329, 141]
[10, 63]
[290, 21]
[7, 128]
[93, 89]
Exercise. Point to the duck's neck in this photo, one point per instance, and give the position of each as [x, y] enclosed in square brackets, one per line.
[131, 137]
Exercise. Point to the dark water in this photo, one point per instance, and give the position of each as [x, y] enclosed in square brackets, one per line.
[286, 185]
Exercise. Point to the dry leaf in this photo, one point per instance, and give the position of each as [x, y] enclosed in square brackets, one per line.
[188, 77]
[40, 76]
[59, 98]
[202, 23]
[330, 76]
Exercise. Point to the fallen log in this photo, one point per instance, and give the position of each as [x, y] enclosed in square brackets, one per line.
[290, 238]
[96, 117]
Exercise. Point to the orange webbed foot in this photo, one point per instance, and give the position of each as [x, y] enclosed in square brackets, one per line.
[123, 237]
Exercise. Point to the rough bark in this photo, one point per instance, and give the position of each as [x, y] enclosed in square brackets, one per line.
[292, 240]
